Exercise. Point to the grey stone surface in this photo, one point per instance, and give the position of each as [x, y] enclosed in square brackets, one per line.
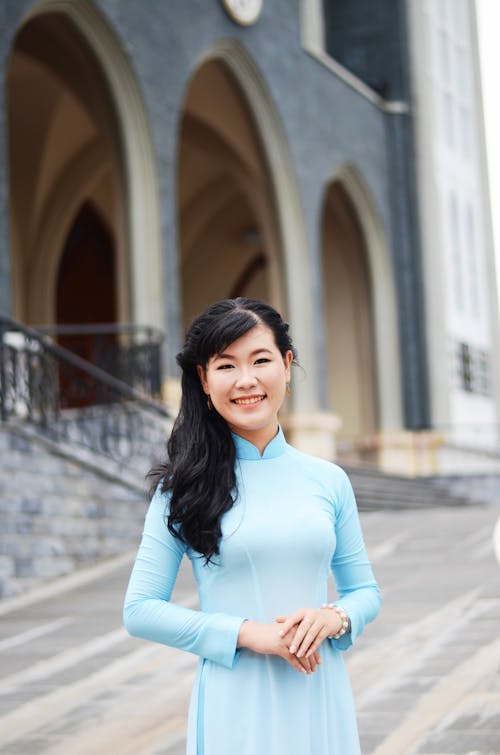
[441, 608]
[57, 515]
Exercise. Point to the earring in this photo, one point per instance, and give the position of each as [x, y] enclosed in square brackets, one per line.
[209, 402]
[288, 390]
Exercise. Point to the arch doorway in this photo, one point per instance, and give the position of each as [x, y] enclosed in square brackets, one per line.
[86, 279]
[65, 173]
[227, 221]
[348, 319]
[86, 289]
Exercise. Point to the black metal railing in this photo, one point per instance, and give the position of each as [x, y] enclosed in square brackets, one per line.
[69, 400]
[132, 353]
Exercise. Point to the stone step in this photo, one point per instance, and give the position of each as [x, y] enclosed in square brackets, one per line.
[377, 490]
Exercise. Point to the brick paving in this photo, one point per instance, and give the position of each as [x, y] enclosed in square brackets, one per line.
[425, 674]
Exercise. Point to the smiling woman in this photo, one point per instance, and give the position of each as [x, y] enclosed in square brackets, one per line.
[262, 525]
[246, 384]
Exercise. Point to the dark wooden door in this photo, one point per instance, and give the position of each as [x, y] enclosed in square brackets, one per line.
[86, 294]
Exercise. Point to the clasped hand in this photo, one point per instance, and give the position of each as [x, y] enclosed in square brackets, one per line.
[296, 637]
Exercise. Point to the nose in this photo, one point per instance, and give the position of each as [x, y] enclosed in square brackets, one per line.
[246, 379]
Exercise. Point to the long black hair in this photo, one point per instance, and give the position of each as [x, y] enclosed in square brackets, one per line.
[199, 472]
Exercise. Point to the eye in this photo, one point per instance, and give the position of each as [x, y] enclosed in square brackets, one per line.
[262, 360]
[224, 366]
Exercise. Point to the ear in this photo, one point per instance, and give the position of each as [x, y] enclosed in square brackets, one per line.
[288, 359]
[202, 374]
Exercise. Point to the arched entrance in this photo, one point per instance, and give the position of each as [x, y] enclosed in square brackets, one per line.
[247, 234]
[351, 389]
[63, 154]
[362, 349]
[79, 133]
[229, 239]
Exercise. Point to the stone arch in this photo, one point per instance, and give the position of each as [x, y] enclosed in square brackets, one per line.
[284, 194]
[381, 318]
[140, 227]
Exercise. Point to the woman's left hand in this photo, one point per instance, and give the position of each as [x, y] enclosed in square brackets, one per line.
[312, 661]
[313, 626]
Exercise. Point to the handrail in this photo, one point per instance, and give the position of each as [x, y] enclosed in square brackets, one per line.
[130, 352]
[68, 399]
[65, 354]
[99, 328]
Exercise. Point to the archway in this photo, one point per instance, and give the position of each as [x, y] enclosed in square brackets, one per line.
[79, 133]
[62, 155]
[349, 345]
[229, 239]
[360, 312]
[276, 214]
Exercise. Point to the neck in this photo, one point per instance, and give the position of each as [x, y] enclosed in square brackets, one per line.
[259, 438]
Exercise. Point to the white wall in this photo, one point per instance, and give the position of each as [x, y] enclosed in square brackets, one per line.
[456, 232]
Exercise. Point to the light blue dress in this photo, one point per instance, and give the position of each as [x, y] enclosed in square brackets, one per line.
[295, 518]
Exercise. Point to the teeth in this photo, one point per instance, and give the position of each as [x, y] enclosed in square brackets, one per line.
[248, 400]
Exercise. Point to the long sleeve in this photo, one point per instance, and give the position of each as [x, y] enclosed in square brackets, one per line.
[358, 591]
[148, 612]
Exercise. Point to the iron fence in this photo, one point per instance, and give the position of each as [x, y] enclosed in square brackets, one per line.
[70, 400]
[132, 353]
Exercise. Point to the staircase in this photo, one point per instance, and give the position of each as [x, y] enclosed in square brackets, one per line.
[376, 490]
[75, 445]
[51, 392]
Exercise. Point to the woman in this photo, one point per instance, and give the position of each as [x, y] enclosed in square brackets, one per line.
[262, 524]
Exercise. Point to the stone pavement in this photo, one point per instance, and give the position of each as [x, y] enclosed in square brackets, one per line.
[425, 674]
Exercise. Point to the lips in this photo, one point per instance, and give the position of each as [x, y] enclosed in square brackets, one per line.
[248, 400]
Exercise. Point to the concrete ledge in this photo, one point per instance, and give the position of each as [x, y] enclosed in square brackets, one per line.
[313, 432]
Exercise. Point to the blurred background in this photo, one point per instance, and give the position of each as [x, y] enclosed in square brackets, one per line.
[338, 159]
[328, 157]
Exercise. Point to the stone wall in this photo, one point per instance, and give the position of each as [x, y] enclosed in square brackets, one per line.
[59, 512]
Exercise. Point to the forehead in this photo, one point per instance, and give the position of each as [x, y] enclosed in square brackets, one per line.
[259, 337]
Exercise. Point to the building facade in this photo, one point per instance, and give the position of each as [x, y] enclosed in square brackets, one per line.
[327, 157]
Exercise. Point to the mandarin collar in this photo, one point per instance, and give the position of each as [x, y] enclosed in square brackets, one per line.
[246, 450]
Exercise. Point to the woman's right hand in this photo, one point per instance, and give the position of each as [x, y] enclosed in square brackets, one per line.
[265, 639]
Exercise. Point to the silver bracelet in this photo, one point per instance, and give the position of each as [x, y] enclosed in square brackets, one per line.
[346, 622]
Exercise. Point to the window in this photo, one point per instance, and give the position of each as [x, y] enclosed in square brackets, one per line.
[473, 369]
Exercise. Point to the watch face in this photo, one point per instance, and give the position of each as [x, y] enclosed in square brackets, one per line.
[245, 12]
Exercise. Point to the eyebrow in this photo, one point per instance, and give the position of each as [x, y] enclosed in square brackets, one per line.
[252, 354]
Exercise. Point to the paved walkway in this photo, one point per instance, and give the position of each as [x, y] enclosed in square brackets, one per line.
[425, 674]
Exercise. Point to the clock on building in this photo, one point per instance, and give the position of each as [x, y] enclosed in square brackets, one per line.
[244, 12]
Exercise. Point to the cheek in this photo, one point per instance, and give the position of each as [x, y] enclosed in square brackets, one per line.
[279, 379]
[217, 382]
